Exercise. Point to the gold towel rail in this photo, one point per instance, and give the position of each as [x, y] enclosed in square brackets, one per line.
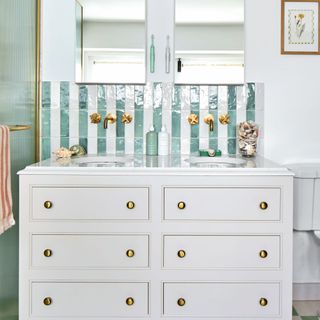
[19, 127]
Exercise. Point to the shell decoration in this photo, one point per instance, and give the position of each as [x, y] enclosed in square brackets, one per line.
[63, 153]
[248, 133]
[78, 150]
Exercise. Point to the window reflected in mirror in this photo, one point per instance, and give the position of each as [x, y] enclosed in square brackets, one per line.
[209, 41]
[113, 41]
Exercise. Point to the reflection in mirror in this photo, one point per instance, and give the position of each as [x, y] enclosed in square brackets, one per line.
[113, 41]
[209, 41]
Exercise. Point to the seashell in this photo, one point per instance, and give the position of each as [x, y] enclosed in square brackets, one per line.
[63, 153]
[78, 150]
[247, 134]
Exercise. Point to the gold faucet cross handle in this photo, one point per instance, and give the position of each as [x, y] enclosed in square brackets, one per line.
[126, 118]
[193, 119]
[209, 119]
[109, 118]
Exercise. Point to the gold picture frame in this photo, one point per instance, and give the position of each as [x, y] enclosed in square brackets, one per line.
[300, 27]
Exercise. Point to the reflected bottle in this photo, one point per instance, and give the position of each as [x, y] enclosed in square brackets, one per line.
[152, 55]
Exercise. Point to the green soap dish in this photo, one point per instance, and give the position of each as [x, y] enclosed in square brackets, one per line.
[210, 153]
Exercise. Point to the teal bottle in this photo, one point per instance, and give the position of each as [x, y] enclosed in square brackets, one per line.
[152, 142]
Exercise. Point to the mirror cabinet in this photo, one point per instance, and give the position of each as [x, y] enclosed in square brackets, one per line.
[137, 41]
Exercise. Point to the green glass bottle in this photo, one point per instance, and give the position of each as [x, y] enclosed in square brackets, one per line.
[152, 142]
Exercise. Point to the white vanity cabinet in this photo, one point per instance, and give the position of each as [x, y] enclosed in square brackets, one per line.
[155, 243]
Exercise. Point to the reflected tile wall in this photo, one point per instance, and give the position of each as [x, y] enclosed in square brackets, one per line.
[66, 109]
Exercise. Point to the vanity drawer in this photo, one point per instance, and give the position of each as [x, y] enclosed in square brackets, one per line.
[89, 300]
[239, 300]
[90, 203]
[222, 204]
[90, 251]
[221, 251]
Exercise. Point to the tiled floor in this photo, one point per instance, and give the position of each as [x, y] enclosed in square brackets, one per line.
[302, 310]
[306, 310]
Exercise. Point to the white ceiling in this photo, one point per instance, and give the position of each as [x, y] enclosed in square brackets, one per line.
[187, 11]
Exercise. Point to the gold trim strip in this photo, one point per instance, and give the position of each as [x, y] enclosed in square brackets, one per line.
[19, 127]
[38, 81]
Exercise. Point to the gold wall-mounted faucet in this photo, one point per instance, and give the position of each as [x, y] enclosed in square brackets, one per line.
[209, 119]
[109, 118]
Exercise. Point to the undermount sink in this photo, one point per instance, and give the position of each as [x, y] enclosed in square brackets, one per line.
[216, 161]
[102, 160]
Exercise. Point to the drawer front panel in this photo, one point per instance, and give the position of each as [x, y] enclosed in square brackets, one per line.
[90, 251]
[222, 204]
[240, 300]
[89, 300]
[206, 252]
[90, 203]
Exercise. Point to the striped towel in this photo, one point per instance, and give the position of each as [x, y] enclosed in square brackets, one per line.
[6, 216]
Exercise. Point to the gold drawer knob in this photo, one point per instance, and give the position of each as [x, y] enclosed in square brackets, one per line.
[47, 301]
[181, 205]
[263, 302]
[181, 253]
[130, 205]
[263, 206]
[130, 253]
[130, 301]
[48, 204]
[181, 302]
[47, 253]
[263, 254]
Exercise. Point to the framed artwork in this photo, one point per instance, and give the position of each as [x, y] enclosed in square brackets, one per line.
[300, 27]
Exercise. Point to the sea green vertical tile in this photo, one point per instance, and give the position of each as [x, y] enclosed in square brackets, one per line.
[102, 146]
[46, 95]
[83, 97]
[157, 106]
[45, 148]
[64, 114]
[232, 126]
[195, 108]
[213, 109]
[102, 110]
[45, 123]
[83, 116]
[176, 121]
[251, 101]
[84, 142]
[232, 146]
[120, 108]
[138, 119]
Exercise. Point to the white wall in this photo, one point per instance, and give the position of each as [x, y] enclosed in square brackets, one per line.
[114, 35]
[292, 85]
[206, 37]
[292, 108]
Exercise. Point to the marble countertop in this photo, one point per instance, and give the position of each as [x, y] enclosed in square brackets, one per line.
[131, 164]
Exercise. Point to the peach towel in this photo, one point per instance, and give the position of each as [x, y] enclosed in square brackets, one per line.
[6, 216]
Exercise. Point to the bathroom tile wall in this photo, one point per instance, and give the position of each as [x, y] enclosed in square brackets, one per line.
[66, 109]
